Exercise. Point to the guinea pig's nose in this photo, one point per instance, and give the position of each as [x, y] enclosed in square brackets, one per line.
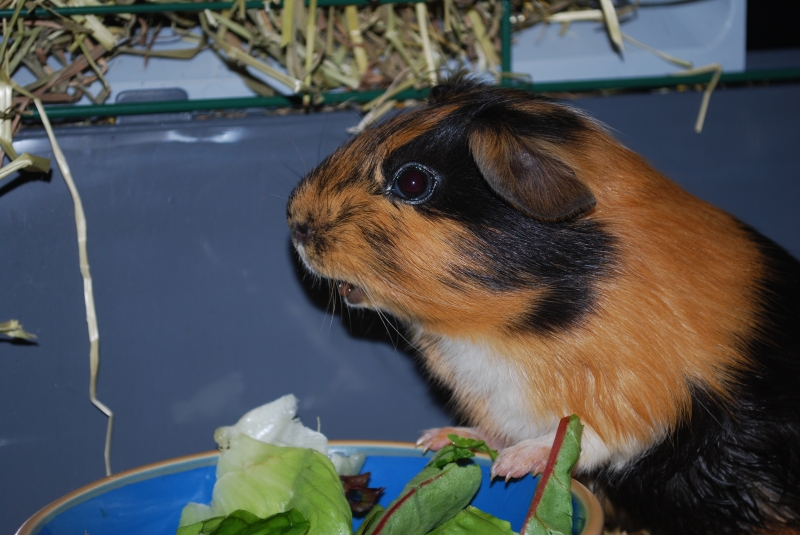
[301, 232]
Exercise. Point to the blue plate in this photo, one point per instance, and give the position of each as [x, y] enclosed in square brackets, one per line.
[148, 500]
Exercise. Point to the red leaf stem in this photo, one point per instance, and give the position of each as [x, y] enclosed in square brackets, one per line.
[548, 470]
[385, 518]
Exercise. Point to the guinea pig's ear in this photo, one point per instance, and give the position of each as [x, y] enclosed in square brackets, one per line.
[539, 185]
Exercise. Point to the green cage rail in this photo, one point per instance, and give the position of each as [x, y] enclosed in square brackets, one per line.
[332, 98]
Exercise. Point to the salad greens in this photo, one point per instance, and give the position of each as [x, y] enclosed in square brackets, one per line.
[291, 487]
[431, 498]
[472, 521]
[462, 448]
[241, 522]
[266, 479]
[551, 510]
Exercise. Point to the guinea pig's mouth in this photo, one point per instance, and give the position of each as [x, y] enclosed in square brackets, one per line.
[353, 295]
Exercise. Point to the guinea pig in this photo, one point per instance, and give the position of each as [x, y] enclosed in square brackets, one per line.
[542, 269]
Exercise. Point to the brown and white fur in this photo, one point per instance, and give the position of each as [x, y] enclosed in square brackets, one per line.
[542, 269]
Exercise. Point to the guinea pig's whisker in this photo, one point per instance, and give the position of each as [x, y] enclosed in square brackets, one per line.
[300, 154]
[331, 306]
[404, 291]
[388, 324]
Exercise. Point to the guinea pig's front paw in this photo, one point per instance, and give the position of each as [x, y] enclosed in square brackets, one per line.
[526, 457]
[436, 439]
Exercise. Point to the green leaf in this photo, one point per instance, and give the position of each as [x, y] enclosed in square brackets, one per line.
[369, 520]
[247, 516]
[551, 510]
[241, 522]
[292, 522]
[450, 454]
[211, 524]
[461, 448]
[473, 444]
[191, 529]
[230, 526]
[431, 498]
[472, 521]
[204, 527]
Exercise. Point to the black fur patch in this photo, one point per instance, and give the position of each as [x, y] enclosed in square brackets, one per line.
[484, 103]
[508, 249]
[731, 469]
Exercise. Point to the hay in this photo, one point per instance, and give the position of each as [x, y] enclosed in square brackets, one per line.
[305, 49]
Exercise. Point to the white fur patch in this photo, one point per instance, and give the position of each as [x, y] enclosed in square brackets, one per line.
[477, 372]
[596, 453]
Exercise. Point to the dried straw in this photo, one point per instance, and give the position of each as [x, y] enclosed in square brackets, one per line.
[88, 292]
[80, 224]
[13, 329]
[306, 50]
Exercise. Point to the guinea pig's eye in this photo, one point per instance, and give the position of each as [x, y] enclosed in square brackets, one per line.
[413, 183]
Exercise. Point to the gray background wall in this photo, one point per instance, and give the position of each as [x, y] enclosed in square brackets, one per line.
[203, 313]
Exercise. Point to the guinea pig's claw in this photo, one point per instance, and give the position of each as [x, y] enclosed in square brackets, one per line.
[526, 457]
[494, 474]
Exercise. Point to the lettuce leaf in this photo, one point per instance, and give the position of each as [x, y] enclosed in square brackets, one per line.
[274, 423]
[265, 480]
